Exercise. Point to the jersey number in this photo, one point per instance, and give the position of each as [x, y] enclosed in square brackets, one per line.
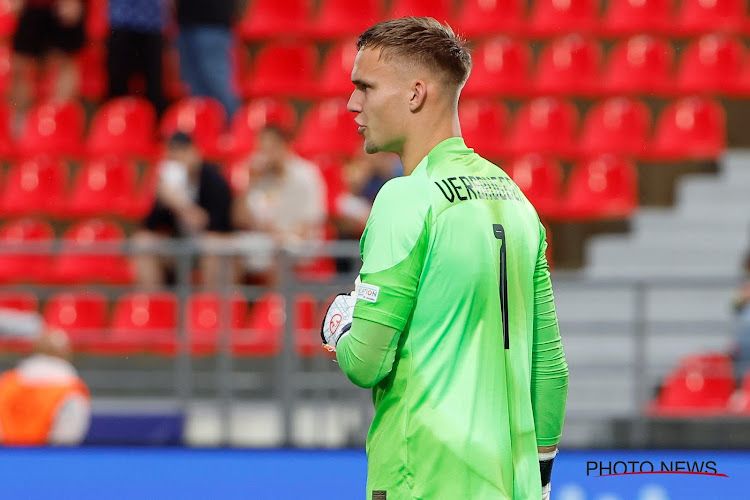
[499, 232]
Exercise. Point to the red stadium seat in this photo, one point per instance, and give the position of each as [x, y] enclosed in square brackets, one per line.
[569, 66]
[55, 129]
[19, 301]
[699, 386]
[332, 170]
[344, 18]
[265, 328]
[8, 18]
[557, 17]
[307, 326]
[328, 128]
[690, 128]
[540, 179]
[500, 67]
[545, 125]
[701, 16]
[484, 126]
[35, 186]
[25, 266]
[203, 118]
[92, 71]
[711, 64]
[439, 9]
[283, 70]
[618, 125]
[5, 67]
[103, 187]
[740, 400]
[335, 77]
[97, 20]
[633, 17]
[482, 17]
[73, 266]
[145, 194]
[601, 188]
[83, 316]
[266, 19]
[143, 322]
[252, 118]
[123, 126]
[639, 65]
[204, 320]
[7, 145]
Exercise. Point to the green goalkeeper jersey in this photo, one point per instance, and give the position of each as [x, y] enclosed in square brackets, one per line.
[454, 259]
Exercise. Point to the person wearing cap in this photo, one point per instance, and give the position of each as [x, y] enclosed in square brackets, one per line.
[43, 400]
[193, 200]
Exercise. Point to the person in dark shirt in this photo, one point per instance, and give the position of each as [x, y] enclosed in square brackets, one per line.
[193, 200]
[204, 45]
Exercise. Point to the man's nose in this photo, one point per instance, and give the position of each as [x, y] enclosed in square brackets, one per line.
[354, 105]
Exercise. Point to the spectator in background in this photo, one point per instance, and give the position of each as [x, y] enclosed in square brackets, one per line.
[192, 200]
[284, 204]
[44, 401]
[742, 332]
[51, 32]
[204, 45]
[135, 46]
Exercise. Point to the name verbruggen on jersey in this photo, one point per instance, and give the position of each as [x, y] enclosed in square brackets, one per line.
[484, 188]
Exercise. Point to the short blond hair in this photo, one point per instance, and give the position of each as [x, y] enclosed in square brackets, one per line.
[422, 40]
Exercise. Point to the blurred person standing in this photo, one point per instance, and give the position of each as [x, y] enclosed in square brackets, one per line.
[135, 47]
[204, 44]
[284, 203]
[49, 32]
[192, 200]
[742, 328]
[43, 400]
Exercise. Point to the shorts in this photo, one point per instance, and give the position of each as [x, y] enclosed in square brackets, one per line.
[39, 31]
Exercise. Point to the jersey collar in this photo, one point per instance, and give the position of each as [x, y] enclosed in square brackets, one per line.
[444, 149]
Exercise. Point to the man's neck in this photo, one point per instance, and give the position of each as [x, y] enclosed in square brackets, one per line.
[416, 148]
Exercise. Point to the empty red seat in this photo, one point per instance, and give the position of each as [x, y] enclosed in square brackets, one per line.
[707, 16]
[19, 301]
[92, 71]
[545, 125]
[328, 128]
[205, 312]
[25, 266]
[618, 125]
[97, 20]
[699, 386]
[639, 65]
[601, 188]
[55, 129]
[335, 77]
[569, 66]
[35, 186]
[501, 66]
[252, 118]
[143, 322]
[483, 126]
[83, 316]
[557, 17]
[102, 265]
[633, 17]
[690, 128]
[439, 9]
[7, 144]
[123, 126]
[8, 18]
[203, 118]
[344, 18]
[307, 320]
[263, 336]
[482, 17]
[265, 19]
[540, 179]
[283, 70]
[711, 64]
[104, 187]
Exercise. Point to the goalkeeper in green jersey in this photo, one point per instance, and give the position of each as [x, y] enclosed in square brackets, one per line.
[453, 324]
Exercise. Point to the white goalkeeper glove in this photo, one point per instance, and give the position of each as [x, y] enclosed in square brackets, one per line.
[545, 468]
[338, 318]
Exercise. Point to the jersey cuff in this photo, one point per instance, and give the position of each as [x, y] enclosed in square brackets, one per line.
[380, 317]
[548, 441]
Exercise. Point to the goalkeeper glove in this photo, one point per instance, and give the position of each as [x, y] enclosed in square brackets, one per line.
[337, 321]
[545, 468]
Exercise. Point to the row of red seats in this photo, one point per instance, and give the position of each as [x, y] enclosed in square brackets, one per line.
[568, 65]
[702, 385]
[339, 18]
[147, 322]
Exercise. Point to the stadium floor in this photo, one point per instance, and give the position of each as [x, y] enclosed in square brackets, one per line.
[217, 474]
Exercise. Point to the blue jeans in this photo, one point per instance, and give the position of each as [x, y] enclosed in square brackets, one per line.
[205, 64]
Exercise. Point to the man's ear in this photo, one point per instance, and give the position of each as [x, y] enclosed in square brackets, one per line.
[419, 94]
